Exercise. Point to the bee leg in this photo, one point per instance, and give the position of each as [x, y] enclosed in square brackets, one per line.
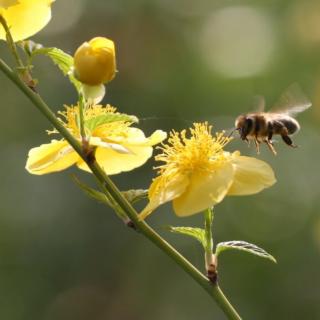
[288, 141]
[285, 137]
[271, 147]
[269, 142]
[257, 143]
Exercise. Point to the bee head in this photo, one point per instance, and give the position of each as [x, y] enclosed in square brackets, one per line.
[244, 125]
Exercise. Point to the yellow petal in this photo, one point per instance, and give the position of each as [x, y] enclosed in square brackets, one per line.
[137, 137]
[113, 162]
[162, 191]
[26, 18]
[251, 175]
[130, 135]
[133, 136]
[157, 137]
[51, 157]
[204, 191]
[97, 142]
[4, 4]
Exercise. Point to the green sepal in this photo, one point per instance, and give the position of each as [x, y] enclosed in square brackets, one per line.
[92, 193]
[29, 46]
[94, 122]
[196, 233]
[100, 197]
[63, 60]
[135, 195]
[132, 196]
[244, 246]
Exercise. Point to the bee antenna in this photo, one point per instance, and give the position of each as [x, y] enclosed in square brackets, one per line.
[232, 132]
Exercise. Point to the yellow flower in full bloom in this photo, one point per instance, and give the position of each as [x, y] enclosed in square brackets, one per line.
[197, 173]
[24, 17]
[95, 61]
[118, 146]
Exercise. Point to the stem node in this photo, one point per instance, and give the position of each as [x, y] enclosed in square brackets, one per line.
[212, 268]
[131, 225]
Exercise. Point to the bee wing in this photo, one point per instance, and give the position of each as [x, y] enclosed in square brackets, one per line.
[258, 103]
[292, 101]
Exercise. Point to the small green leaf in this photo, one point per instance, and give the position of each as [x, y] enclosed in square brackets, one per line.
[63, 60]
[92, 193]
[94, 122]
[196, 233]
[100, 197]
[131, 195]
[244, 246]
[134, 196]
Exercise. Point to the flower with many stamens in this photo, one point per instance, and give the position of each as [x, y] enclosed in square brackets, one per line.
[118, 146]
[24, 17]
[197, 173]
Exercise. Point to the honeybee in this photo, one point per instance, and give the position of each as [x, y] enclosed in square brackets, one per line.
[261, 126]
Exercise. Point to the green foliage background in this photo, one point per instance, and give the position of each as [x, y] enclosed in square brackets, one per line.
[63, 256]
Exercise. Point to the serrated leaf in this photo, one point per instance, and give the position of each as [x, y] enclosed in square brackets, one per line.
[94, 122]
[196, 233]
[244, 246]
[63, 60]
[134, 196]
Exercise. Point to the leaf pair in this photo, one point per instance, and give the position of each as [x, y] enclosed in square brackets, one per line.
[199, 234]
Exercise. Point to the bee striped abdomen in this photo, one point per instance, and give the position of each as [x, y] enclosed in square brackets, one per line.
[291, 124]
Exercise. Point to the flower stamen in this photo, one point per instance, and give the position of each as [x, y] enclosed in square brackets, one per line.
[197, 152]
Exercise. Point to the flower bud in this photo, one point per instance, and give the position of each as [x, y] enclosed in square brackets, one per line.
[95, 61]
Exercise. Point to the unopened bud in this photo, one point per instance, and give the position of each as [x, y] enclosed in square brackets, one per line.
[95, 61]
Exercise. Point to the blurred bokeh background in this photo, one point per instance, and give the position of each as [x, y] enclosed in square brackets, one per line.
[63, 256]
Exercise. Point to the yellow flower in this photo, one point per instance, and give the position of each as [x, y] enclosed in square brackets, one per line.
[95, 61]
[197, 173]
[24, 17]
[119, 147]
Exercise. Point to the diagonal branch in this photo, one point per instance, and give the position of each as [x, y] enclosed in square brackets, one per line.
[110, 189]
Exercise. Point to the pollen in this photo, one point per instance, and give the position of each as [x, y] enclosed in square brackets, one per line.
[197, 151]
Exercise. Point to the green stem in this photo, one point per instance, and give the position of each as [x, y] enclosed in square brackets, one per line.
[208, 219]
[108, 187]
[10, 42]
[210, 258]
[23, 71]
[81, 119]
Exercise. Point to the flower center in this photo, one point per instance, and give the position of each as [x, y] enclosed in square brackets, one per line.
[199, 152]
[97, 120]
